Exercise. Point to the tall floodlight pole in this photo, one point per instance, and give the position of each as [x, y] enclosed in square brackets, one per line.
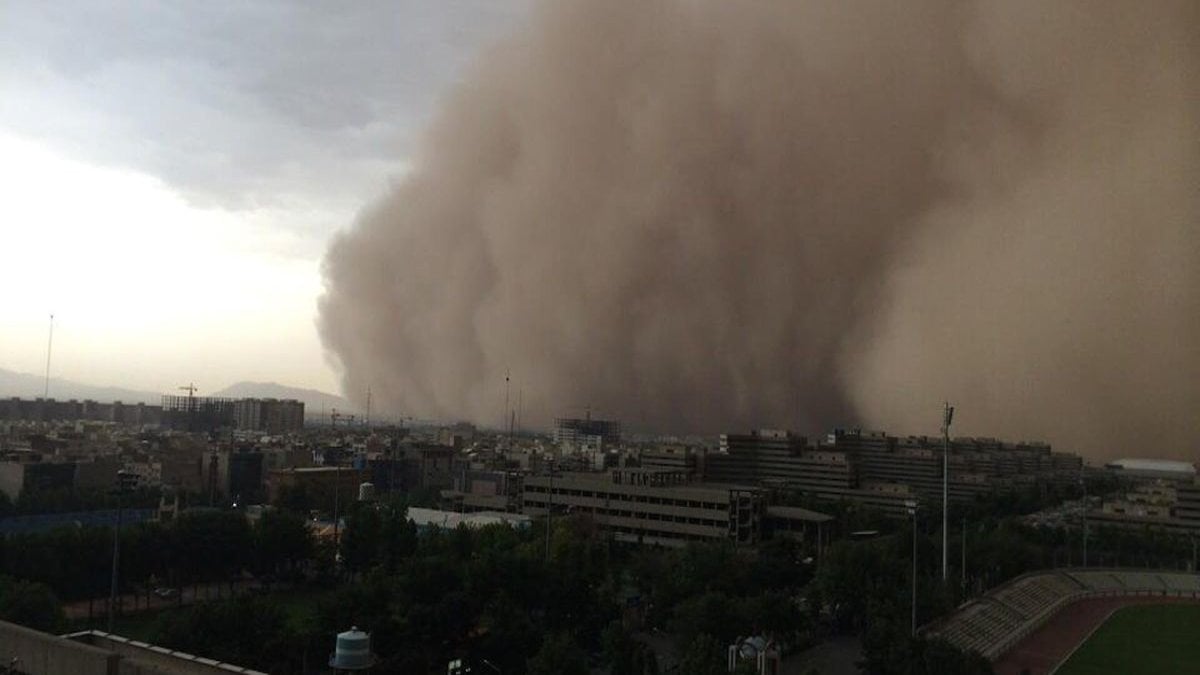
[122, 477]
[947, 417]
[1083, 512]
[505, 420]
[911, 504]
[337, 487]
[49, 346]
[550, 509]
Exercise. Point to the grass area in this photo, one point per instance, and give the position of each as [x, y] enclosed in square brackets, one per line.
[299, 605]
[1141, 639]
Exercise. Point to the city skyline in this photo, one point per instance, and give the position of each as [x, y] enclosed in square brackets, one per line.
[806, 216]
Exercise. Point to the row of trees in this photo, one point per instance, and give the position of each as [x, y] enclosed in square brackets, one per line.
[198, 546]
[501, 595]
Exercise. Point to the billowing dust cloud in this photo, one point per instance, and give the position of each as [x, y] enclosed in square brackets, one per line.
[705, 216]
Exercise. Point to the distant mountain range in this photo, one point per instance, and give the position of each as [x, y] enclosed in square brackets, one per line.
[25, 385]
[314, 400]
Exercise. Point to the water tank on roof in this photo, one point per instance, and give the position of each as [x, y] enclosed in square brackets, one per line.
[366, 492]
[353, 651]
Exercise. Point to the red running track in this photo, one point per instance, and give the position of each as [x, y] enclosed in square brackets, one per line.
[1049, 645]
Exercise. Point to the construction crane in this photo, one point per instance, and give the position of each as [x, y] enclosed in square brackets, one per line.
[191, 407]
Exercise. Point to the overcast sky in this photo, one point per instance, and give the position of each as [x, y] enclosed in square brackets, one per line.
[172, 172]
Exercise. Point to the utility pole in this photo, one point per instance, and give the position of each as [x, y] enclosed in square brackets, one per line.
[49, 347]
[947, 417]
[911, 504]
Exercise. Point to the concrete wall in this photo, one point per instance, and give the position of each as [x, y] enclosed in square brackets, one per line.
[44, 654]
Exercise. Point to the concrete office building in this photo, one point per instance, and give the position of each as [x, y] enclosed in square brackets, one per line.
[1162, 504]
[236, 474]
[882, 471]
[269, 415]
[1187, 503]
[781, 456]
[587, 431]
[665, 508]
[17, 478]
[50, 410]
[485, 490]
[674, 458]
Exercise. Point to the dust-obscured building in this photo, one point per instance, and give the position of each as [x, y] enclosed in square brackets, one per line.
[269, 415]
[587, 431]
[198, 413]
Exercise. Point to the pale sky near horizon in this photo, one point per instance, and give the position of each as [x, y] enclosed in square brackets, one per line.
[172, 172]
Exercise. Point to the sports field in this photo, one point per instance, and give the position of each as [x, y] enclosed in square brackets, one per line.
[1142, 639]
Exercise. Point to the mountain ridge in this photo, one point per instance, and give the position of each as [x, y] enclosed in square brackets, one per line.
[26, 385]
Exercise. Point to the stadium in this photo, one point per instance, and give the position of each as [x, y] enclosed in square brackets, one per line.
[1081, 621]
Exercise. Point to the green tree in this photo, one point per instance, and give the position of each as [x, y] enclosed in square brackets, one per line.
[30, 604]
[361, 540]
[281, 541]
[625, 654]
[704, 656]
[559, 655]
[248, 631]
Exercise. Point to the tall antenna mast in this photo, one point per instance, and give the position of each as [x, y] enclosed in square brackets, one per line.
[505, 419]
[947, 417]
[49, 347]
[367, 419]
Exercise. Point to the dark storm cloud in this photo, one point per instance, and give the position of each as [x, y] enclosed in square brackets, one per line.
[708, 215]
[284, 105]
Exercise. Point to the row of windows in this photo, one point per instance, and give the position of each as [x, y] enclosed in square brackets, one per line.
[622, 497]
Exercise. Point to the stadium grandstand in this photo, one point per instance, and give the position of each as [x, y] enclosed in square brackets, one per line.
[993, 623]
